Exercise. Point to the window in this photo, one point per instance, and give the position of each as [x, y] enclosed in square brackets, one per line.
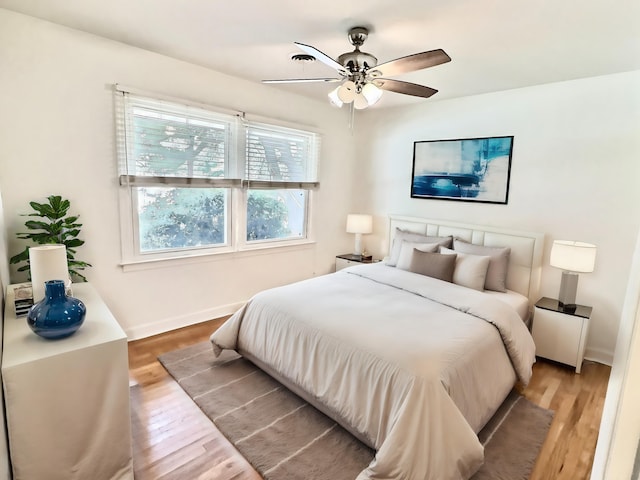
[183, 167]
[278, 163]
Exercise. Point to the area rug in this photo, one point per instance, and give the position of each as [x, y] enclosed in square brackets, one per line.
[285, 438]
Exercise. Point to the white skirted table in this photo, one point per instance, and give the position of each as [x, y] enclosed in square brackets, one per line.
[67, 400]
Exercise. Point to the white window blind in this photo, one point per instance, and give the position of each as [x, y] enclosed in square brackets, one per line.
[278, 157]
[173, 144]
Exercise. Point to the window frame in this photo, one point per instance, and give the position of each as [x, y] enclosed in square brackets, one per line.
[236, 184]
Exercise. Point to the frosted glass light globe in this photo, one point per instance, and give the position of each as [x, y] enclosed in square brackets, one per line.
[371, 93]
[360, 102]
[347, 91]
[334, 98]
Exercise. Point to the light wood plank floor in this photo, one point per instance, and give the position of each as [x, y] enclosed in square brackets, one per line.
[173, 439]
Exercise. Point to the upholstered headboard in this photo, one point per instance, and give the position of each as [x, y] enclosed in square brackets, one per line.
[525, 263]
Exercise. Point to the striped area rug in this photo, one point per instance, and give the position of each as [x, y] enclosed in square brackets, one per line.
[285, 438]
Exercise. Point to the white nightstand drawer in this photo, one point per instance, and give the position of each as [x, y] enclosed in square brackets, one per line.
[560, 336]
[342, 263]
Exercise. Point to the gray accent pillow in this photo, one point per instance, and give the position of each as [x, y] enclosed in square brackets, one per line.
[496, 279]
[471, 270]
[406, 252]
[434, 265]
[401, 235]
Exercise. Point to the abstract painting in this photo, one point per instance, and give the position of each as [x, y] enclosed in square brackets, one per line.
[470, 169]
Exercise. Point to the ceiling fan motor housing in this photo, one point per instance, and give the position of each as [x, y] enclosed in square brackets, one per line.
[357, 61]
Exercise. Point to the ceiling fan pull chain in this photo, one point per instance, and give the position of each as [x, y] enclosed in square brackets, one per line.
[352, 117]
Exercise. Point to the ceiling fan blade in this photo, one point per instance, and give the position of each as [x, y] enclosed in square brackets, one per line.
[404, 87]
[324, 58]
[411, 63]
[304, 80]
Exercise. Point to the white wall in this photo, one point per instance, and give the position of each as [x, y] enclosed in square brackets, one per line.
[57, 137]
[574, 175]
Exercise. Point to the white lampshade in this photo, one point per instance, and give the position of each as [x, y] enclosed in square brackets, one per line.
[573, 256]
[47, 262]
[357, 223]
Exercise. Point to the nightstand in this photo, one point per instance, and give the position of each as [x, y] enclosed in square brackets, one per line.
[349, 260]
[560, 335]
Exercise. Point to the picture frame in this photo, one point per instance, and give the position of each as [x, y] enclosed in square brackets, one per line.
[467, 169]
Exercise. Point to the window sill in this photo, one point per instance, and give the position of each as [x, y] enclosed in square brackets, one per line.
[241, 252]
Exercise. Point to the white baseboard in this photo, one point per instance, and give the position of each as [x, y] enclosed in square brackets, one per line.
[173, 323]
[598, 355]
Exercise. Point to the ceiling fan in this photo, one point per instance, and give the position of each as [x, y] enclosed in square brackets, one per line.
[363, 79]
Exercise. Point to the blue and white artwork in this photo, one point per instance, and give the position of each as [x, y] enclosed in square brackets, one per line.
[474, 169]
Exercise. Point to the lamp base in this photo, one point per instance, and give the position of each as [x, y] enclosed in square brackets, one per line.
[357, 248]
[568, 308]
[568, 289]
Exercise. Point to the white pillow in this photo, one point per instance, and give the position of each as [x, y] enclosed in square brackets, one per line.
[471, 270]
[498, 262]
[406, 252]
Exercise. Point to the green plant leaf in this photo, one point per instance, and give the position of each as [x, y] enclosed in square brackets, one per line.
[20, 257]
[38, 207]
[59, 206]
[81, 265]
[35, 225]
[76, 242]
[78, 275]
[72, 233]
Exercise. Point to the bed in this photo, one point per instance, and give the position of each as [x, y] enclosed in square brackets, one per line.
[412, 365]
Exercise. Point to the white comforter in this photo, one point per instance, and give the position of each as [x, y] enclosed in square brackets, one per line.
[412, 365]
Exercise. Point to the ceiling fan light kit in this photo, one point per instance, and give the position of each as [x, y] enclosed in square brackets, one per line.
[362, 94]
[362, 79]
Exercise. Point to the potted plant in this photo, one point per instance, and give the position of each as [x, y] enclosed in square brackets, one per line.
[55, 227]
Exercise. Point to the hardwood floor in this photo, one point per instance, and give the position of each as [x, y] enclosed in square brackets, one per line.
[173, 439]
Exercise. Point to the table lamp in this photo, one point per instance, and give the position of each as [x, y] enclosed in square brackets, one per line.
[47, 262]
[359, 224]
[572, 257]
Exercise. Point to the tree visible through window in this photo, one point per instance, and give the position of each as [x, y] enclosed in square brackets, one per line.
[194, 217]
[173, 218]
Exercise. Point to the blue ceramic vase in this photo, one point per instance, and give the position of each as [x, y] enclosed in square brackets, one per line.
[57, 315]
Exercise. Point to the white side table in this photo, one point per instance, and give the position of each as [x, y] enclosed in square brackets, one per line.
[67, 400]
[560, 335]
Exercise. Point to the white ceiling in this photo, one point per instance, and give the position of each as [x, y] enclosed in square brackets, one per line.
[494, 44]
